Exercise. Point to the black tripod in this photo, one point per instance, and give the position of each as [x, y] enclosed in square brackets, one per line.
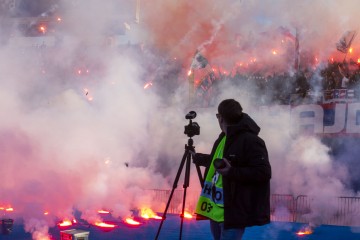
[189, 148]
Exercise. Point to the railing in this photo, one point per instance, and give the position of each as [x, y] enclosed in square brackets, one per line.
[341, 211]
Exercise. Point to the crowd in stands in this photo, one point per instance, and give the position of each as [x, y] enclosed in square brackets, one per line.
[305, 86]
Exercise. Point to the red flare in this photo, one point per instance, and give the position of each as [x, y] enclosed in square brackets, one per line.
[10, 209]
[104, 225]
[147, 213]
[65, 223]
[131, 221]
[7, 209]
[42, 29]
[188, 215]
[305, 231]
[103, 211]
[147, 85]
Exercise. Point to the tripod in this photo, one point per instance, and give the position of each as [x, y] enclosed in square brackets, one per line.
[189, 148]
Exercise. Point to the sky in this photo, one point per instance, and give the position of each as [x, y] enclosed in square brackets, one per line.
[97, 139]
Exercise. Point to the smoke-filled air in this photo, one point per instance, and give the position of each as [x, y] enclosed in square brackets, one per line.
[93, 103]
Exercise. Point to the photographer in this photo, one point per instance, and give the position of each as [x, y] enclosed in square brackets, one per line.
[236, 192]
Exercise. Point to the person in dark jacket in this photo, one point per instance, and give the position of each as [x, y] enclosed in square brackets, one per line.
[236, 192]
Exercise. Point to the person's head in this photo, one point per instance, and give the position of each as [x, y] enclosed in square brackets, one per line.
[229, 113]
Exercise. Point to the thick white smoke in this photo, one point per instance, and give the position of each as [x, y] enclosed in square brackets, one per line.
[100, 142]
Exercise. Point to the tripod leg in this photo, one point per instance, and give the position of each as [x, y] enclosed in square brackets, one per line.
[185, 186]
[186, 153]
[201, 179]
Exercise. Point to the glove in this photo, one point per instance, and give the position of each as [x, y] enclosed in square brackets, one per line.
[201, 159]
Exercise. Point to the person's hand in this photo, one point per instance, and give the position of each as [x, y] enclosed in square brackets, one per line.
[225, 170]
[196, 158]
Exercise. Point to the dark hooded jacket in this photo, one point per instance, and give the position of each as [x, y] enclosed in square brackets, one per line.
[246, 187]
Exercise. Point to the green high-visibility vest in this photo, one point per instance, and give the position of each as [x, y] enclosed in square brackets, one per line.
[211, 200]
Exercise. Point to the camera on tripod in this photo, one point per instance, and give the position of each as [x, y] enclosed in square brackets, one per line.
[192, 128]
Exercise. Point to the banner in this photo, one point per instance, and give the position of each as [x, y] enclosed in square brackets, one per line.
[326, 119]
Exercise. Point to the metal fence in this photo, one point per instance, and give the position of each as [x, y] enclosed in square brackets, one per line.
[341, 211]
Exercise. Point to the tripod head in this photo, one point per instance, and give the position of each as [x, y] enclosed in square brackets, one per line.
[192, 128]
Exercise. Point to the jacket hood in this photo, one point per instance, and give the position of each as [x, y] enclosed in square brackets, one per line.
[246, 124]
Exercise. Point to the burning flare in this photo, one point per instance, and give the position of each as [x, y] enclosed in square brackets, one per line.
[147, 85]
[104, 225]
[131, 221]
[6, 209]
[147, 213]
[103, 211]
[305, 231]
[66, 223]
[188, 215]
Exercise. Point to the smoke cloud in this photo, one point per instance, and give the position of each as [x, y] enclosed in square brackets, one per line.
[79, 130]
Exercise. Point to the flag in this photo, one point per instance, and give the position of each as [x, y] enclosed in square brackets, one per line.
[286, 33]
[201, 78]
[345, 41]
[199, 61]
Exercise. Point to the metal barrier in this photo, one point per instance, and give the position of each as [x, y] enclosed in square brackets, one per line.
[282, 207]
[348, 212]
[302, 209]
[341, 211]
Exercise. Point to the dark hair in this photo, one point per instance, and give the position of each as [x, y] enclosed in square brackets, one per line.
[230, 110]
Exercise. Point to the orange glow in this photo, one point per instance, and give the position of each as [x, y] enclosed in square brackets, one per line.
[104, 225]
[131, 221]
[358, 61]
[103, 211]
[274, 52]
[147, 85]
[306, 231]
[7, 209]
[65, 223]
[46, 213]
[188, 215]
[350, 50]
[45, 238]
[189, 72]
[42, 29]
[147, 213]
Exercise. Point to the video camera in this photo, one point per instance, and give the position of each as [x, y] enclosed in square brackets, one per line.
[192, 128]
